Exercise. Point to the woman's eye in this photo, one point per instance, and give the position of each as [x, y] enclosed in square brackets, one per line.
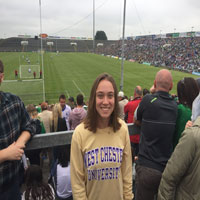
[100, 96]
[110, 96]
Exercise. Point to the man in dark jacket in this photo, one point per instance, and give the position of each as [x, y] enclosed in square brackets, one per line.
[157, 113]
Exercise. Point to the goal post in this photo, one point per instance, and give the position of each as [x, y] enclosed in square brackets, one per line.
[27, 71]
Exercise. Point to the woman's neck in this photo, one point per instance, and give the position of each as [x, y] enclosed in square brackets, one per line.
[102, 123]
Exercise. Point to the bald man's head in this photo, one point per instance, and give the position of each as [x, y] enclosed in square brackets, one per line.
[138, 91]
[163, 81]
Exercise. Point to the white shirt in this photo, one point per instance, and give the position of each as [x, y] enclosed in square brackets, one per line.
[65, 114]
[64, 189]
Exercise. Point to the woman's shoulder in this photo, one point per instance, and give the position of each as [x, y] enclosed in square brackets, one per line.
[122, 122]
[124, 126]
[80, 129]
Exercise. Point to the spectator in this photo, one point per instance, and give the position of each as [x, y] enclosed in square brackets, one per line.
[65, 109]
[35, 187]
[157, 114]
[180, 179]
[180, 53]
[32, 111]
[187, 90]
[71, 102]
[61, 174]
[100, 152]
[57, 124]
[122, 103]
[34, 155]
[77, 114]
[130, 107]
[16, 128]
[45, 115]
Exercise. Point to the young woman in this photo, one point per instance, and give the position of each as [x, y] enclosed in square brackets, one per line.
[35, 188]
[101, 164]
[61, 174]
[57, 124]
[187, 91]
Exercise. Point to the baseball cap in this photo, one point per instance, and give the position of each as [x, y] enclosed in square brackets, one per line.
[120, 94]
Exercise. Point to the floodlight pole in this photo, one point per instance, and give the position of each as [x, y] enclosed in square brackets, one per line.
[93, 26]
[41, 51]
[122, 63]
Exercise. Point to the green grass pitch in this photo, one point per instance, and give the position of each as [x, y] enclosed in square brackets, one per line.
[74, 73]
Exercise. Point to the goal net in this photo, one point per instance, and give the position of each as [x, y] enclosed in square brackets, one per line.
[29, 71]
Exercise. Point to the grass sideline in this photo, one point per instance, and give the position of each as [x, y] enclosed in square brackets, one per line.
[74, 73]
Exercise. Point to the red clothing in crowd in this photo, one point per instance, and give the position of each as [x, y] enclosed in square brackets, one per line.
[130, 108]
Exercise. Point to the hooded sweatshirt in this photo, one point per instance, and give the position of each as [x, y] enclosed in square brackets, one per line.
[76, 117]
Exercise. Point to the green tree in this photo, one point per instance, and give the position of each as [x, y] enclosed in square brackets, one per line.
[100, 35]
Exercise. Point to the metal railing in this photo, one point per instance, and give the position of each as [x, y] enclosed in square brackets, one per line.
[62, 138]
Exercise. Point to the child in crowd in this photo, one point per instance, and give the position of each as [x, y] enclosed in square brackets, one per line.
[60, 172]
[35, 188]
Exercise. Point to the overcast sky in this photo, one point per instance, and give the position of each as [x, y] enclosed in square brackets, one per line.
[74, 18]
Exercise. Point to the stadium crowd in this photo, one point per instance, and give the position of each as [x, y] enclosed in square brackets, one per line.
[175, 53]
[163, 150]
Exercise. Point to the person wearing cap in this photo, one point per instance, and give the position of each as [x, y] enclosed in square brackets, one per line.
[122, 103]
[45, 116]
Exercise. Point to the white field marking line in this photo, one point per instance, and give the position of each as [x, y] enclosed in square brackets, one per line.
[10, 81]
[78, 87]
[33, 80]
[67, 93]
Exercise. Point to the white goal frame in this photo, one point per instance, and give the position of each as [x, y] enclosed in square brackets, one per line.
[27, 67]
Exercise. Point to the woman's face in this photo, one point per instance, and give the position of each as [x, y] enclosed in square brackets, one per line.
[105, 100]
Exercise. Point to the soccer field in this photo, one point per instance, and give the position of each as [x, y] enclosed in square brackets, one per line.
[74, 73]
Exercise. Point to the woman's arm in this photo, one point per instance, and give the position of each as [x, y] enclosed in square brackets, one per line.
[77, 168]
[126, 169]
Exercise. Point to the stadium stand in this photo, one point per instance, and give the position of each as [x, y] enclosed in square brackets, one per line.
[175, 53]
[181, 53]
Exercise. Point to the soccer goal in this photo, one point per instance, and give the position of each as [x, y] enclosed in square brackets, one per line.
[29, 71]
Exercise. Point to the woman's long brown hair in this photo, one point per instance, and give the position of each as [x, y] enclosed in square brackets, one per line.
[91, 118]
